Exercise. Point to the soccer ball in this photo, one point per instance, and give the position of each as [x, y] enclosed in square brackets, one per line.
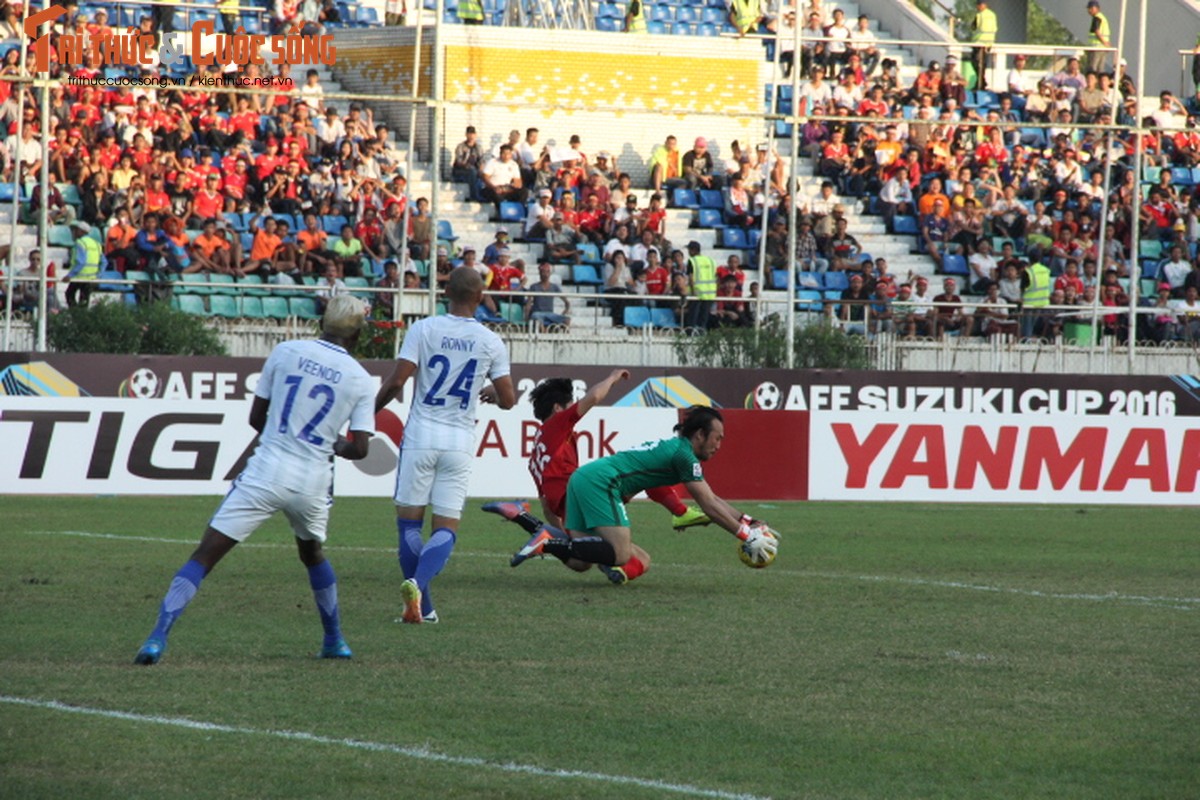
[759, 550]
[767, 396]
[143, 383]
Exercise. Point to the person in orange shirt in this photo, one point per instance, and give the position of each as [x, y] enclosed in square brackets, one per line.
[314, 256]
[928, 202]
[264, 248]
[156, 200]
[118, 242]
[211, 251]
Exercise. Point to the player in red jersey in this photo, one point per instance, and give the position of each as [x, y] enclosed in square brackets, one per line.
[555, 458]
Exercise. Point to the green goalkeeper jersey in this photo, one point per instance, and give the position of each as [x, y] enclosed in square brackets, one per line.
[662, 463]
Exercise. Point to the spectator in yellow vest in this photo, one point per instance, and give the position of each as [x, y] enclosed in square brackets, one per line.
[983, 36]
[87, 260]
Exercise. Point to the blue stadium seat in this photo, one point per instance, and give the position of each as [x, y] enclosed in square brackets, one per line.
[809, 300]
[836, 281]
[681, 29]
[610, 11]
[303, 307]
[804, 280]
[446, 231]
[192, 304]
[779, 278]
[661, 13]
[1149, 248]
[684, 198]
[512, 212]
[905, 224]
[710, 218]
[687, 14]
[1033, 137]
[193, 283]
[1180, 176]
[608, 24]
[251, 285]
[333, 225]
[589, 253]
[712, 198]
[636, 316]
[655, 26]
[366, 16]
[663, 318]
[954, 265]
[707, 28]
[222, 284]
[585, 275]
[734, 239]
[276, 307]
[714, 17]
[223, 305]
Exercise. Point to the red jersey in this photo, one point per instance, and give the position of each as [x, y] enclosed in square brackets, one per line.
[206, 205]
[656, 280]
[235, 185]
[555, 458]
[246, 122]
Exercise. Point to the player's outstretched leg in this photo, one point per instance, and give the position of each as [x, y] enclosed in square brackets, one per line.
[537, 544]
[553, 542]
[183, 588]
[515, 511]
[682, 516]
[324, 587]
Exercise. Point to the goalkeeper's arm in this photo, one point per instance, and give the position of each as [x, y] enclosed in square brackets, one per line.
[717, 509]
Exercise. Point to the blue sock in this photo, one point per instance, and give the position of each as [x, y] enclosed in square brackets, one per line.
[434, 557]
[183, 588]
[409, 548]
[324, 586]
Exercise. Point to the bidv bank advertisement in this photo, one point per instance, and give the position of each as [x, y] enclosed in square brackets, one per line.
[75, 424]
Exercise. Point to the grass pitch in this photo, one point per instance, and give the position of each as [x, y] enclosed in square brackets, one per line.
[894, 651]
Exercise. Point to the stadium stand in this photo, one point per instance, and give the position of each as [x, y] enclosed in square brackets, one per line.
[239, 178]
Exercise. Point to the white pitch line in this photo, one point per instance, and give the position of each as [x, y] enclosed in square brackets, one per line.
[418, 753]
[1174, 603]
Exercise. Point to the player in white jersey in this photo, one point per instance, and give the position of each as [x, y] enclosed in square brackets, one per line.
[308, 391]
[451, 356]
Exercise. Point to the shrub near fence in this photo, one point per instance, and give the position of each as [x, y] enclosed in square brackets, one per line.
[144, 329]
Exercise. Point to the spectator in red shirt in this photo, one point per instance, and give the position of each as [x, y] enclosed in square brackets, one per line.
[244, 120]
[265, 164]
[186, 175]
[370, 232]
[141, 152]
[156, 200]
[733, 267]
[208, 203]
[657, 277]
[593, 219]
[207, 166]
[237, 187]
[108, 150]
[1070, 277]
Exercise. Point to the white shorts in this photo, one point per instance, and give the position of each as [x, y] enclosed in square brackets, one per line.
[436, 478]
[249, 505]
